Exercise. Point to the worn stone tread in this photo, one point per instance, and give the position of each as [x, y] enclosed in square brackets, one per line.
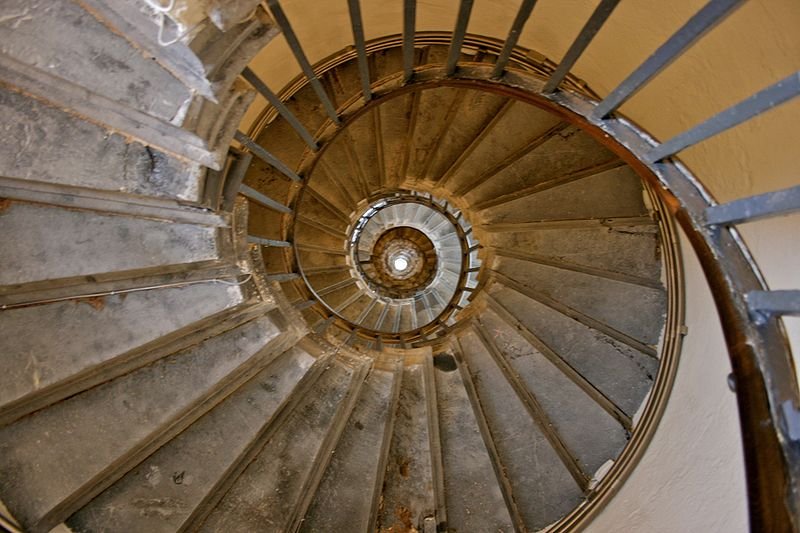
[55, 460]
[161, 493]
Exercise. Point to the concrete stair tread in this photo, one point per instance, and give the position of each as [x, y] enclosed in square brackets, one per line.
[431, 119]
[542, 487]
[116, 69]
[66, 150]
[89, 243]
[623, 373]
[408, 494]
[125, 419]
[346, 498]
[118, 327]
[474, 496]
[477, 109]
[589, 432]
[632, 250]
[501, 142]
[634, 310]
[164, 492]
[612, 193]
[268, 491]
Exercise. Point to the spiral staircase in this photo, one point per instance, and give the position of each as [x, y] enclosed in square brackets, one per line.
[434, 287]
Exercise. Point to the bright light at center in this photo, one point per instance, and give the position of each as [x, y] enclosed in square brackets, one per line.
[400, 263]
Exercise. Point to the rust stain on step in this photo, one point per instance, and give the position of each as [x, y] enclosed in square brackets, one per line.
[98, 302]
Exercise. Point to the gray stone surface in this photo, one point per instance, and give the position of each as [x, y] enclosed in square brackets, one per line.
[633, 250]
[86, 53]
[613, 193]
[58, 456]
[632, 309]
[432, 108]
[345, 498]
[565, 152]
[42, 143]
[475, 111]
[542, 487]
[394, 127]
[408, 482]
[41, 242]
[588, 431]
[162, 492]
[620, 372]
[83, 335]
[503, 140]
[266, 494]
[472, 493]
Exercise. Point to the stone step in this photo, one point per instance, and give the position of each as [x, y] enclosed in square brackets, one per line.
[362, 134]
[632, 251]
[609, 194]
[91, 55]
[500, 142]
[271, 491]
[475, 112]
[567, 155]
[118, 333]
[621, 373]
[42, 242]
[631, 313]
[408, 500]
[175, 485]
[347, 498]
[395, 123]
[217, 122]
[474, 496]
[540, 484]
[141, 30]
[225, 54]
[67, 150]
[586, 429]
[434, 111]
[48, 472]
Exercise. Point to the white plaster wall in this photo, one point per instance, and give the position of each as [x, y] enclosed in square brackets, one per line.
[691, 478]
